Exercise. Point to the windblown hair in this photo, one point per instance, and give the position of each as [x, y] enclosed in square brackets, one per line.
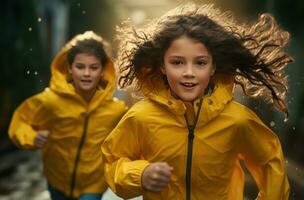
[253, 54]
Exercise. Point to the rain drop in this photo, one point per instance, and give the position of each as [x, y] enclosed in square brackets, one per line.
[294, 128]
[30, 28]
[28, 72]
[272, 124]
[78, 4]
[83, 12]
[285, 119]
[35, 72]
[39, 19]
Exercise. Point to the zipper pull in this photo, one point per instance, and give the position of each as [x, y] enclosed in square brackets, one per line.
[191, 132]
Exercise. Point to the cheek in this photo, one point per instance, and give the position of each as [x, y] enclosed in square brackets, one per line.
[74, 72]
[97, 76]
[74, 75]
[172, 79]
[204, 79]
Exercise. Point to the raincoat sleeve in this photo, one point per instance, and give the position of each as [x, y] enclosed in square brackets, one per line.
[123, 162]
[263, 156]
[30, 116]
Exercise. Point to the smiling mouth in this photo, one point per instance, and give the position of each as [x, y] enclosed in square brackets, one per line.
[86, 81]
[189, 85]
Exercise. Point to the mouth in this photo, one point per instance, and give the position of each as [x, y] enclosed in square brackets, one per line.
[188, 85]
[84, 81]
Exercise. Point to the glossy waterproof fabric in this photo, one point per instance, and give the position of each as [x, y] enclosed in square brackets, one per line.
[63, 112]
[155, 130]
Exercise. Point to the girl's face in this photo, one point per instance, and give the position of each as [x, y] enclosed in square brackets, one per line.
[188, 68]
[86, 71]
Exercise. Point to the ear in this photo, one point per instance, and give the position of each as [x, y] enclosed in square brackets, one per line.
[163, 70]
[69, 75]
[102, 70]
[70, 69]
[213, 70]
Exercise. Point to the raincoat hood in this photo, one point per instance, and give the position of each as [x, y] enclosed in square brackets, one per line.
[60, 82]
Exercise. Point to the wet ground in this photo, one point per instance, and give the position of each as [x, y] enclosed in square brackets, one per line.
[21, 178]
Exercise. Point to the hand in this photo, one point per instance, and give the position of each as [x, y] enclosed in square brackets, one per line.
[41, 138]
[156, 176]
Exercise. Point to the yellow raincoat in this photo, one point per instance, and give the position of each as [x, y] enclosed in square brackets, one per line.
[72, 158]
[155, 130]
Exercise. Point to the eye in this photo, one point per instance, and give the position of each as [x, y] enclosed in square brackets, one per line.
[95, 67]
[201, 62]
[176, 62]
[79, 66]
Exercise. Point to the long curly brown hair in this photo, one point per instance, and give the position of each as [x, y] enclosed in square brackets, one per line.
[252, 53]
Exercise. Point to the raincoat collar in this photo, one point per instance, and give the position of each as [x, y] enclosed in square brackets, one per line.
[212, 105]
[59, 74]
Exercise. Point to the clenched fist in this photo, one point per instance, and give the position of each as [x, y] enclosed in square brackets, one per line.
[41, 138]
[156, 176]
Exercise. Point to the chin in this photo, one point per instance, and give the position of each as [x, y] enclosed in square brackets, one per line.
[188, 99]
[87, 88]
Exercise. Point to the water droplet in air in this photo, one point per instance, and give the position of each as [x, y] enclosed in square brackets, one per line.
[272, 124]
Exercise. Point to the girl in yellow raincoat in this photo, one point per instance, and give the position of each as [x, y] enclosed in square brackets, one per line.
[186, 138]
[70, 119]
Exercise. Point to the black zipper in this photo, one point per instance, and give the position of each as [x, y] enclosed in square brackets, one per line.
[191, 129]
[83, 136]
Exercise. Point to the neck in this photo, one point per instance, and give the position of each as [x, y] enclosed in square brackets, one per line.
[86, 95]
[188, 102]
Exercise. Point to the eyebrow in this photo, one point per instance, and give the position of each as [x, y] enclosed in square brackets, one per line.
[93, 64]
[79, 63]
[181, 57]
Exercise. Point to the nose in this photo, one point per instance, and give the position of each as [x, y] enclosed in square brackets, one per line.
[86, 71]
[189, 71]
